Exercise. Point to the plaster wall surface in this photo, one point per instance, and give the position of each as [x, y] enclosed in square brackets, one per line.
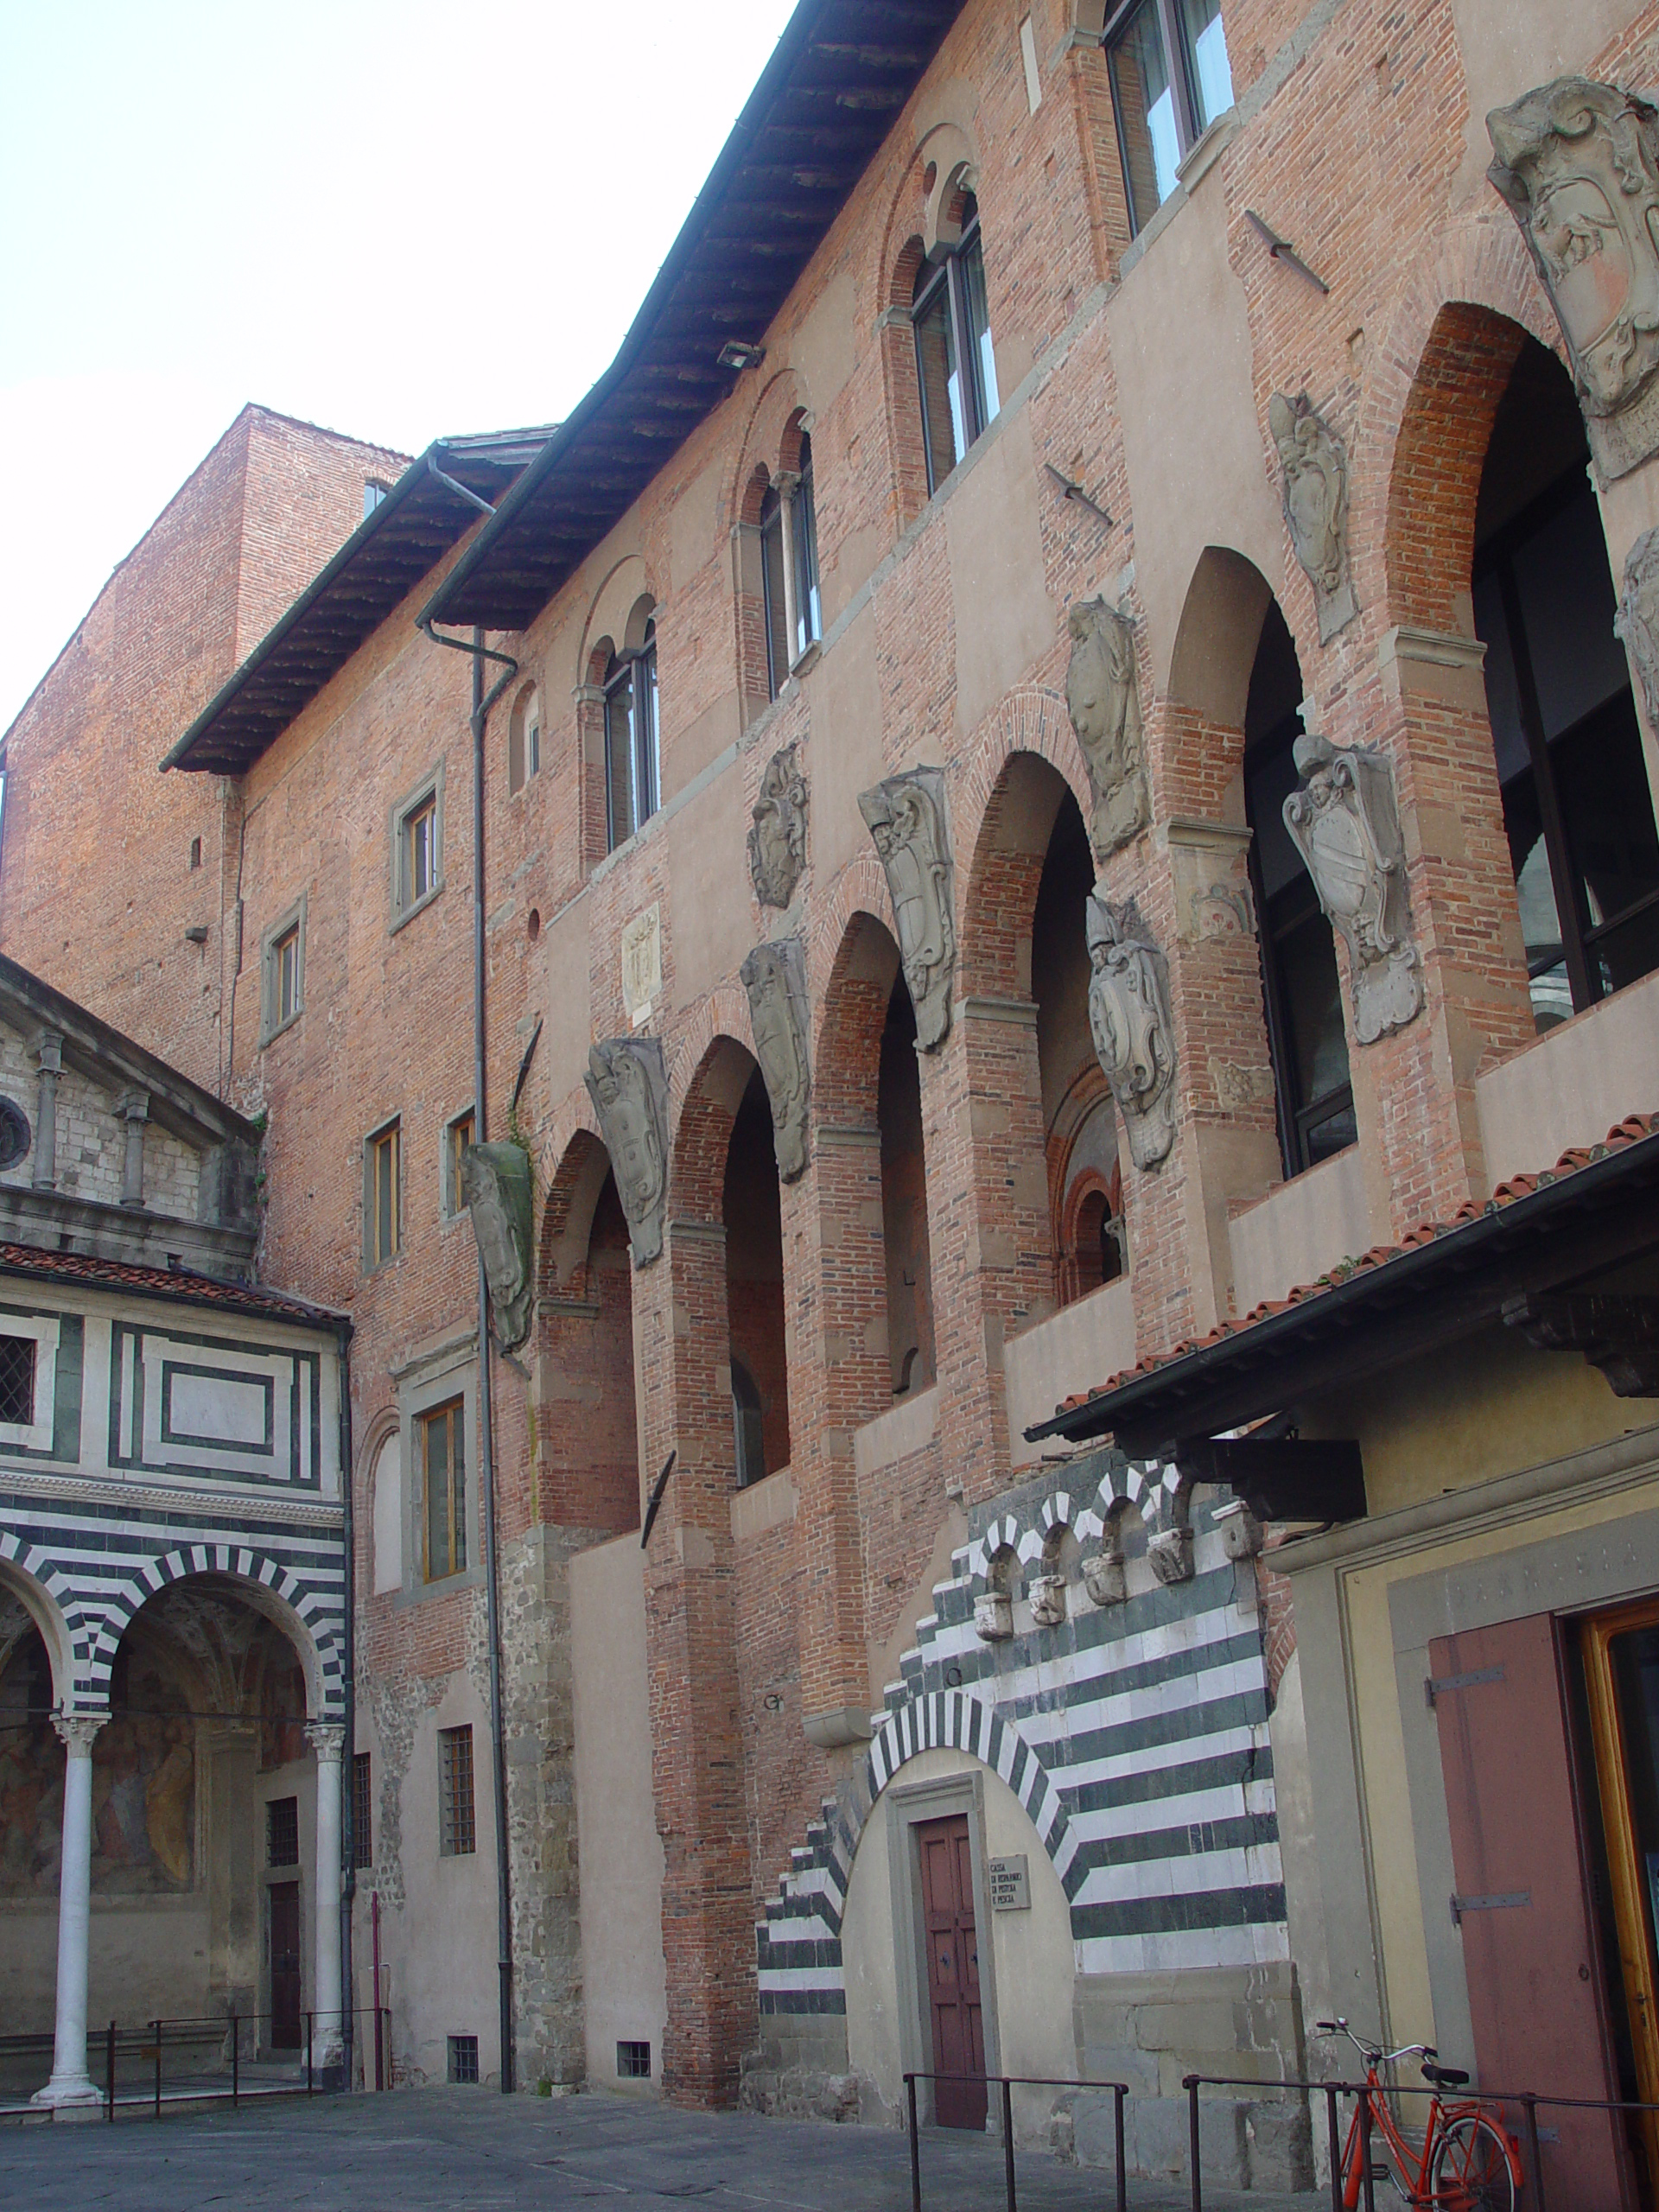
[1575, 1083]
[621, 1854]
[1299, 1230]
[1074, 1350]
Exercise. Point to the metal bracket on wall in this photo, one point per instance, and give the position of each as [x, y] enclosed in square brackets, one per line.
[1503, 1901]
[1070, 490]
[1282, 249]
[1437, 1685]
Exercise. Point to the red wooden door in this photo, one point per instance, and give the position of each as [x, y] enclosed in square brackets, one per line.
[1527, 1943]
[952, 1969]
[284, 1910]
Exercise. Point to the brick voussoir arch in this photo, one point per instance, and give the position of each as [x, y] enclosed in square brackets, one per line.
[1478, 260]
[1031, 720]
[699, 1123]
[861, 887]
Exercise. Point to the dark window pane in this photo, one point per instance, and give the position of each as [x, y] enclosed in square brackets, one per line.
[646, 795]
[1313, 998]
[1602, 781]
[438, 1560]
[944, 434]
[458, 1484]
[1145, 102]
[1566, 591]
[619, 753]
[1272, 779]
[808, 613]
[1210, 73]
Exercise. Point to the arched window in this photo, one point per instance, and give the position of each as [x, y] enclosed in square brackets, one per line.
[749, 1426]
[1577, 804]
[632, 762]
[1300, 989]
[955, 366]
[789, 569]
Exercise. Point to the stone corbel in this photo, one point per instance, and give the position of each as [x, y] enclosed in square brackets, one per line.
[1209, 863]
[1618, 1335]
[1170, 1555]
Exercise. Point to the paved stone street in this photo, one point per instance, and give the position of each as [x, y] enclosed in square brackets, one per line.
[465, 2150]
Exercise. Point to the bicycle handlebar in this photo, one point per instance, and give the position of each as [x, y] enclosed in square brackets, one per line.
[1374, 2054]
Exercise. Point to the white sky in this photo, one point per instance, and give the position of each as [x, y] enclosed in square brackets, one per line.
[398, 221]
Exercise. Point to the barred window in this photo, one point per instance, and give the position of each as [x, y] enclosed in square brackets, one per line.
[459, 1829]
[282, 1832]
[17, 1380]
[634, 2062]
[362, 1812]
[463, 2058]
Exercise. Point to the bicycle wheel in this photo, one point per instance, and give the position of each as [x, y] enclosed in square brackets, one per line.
[1471, 2170]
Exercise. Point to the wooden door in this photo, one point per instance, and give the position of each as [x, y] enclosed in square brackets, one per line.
[284, 1910]
[952, 1969]
[1528, 1950]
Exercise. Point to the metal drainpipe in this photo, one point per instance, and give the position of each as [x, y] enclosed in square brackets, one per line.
[348, 1753]
[482, 702]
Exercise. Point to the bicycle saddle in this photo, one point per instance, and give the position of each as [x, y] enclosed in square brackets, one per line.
[1444, 2077]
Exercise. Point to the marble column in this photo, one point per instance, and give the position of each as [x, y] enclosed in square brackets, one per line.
[71, 2084]
[328, 1739]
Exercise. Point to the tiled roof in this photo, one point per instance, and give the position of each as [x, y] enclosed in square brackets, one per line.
[175, 1284]
[1628, 1132]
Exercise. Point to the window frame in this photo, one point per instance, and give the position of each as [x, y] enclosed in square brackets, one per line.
[451, 1411]
[289, 927]
[452, 1206]
[809, 594]
[362, 1810]
[645, 745]
[428, 793]
[949, 276]
[1181, 63]
[390, 1131]
[457, 1825]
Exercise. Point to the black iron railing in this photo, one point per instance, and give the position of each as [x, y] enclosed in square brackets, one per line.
[209, 2062]
[1009, 2083]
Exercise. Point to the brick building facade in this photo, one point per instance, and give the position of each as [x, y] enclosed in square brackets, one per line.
[1055, 541]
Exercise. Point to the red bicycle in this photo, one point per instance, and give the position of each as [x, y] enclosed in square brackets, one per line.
[1466, 2160]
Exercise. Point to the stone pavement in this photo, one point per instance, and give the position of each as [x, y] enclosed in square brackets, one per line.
[471, 2150]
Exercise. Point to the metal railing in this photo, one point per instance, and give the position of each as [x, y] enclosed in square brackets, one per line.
[1009, 2083]
[216, 2043]
[1528, 2101]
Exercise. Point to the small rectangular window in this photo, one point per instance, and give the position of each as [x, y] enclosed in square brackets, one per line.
[458, 1833]
[195, 852]
[534, 747]
[463, 2058]
[383, 1196]
[441, 1436]
[17, 1380]
[634, 2062]
[287, 955]
[809, 613]
[282, 1832]
[773, 600]
[457, 1136]
[374, 493]
[362, 1812]
[282, 961]
[1170, 79]
[421, 851]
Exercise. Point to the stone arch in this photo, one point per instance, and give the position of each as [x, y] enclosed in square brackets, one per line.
[765, 442]
[998, 898]
[617, 615]
[950, 172]
[47, 1607]
[704, 1093]
[1442, 370]
[384, 1517]
[850, 1007]
[1226, 603]
[307, 1615]
[575, 1112]
[1031, 721]
[573, 1192]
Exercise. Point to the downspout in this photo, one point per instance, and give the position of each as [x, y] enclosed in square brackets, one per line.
[348, 1660]
[482, 702]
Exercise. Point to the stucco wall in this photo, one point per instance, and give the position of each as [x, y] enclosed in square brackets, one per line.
[1074, 1350]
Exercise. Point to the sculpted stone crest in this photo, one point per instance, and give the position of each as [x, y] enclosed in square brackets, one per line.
[777, 834]
[628, 1085]
[1345, 825]
[1104, 700]
[1129, 1012]
[1315, 472]
[774, 975]
[1577, 163]
[496, 1187]
[906, 817]
[1637, 619]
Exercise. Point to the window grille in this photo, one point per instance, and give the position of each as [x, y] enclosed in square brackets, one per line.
[634, 2062]
[459, 1829]
[463, 2058]
[17, 1380]
[362, 1812]
[282, 1832]
[442, 1439]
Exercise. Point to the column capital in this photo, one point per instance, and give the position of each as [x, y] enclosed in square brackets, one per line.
[133, 1105]
[77, 1730]
[326, 1738]
[49, 1052]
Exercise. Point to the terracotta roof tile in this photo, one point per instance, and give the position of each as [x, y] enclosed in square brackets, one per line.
[1630, 1130]
[176, 1284]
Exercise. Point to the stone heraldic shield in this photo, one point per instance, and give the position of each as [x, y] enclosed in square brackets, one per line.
[906, 817]
[1134, 1035]
[629, 1084]
[1578, 164]
[1344, 824]
[774, 975]
[495, 1183]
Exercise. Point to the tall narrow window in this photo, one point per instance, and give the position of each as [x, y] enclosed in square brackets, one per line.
[1301, 989]
[383, 1196]
[1578, 808]
[955, 367]
[282, 1832]
[362, 1812]
[457, 1136]
[631, 740]
[772, 589]
[420, 851]
[1171, 79]
[750, 1427]
[809, 610]
[288, 974]
[457, 1827]
[442, 1444]
[524, 739]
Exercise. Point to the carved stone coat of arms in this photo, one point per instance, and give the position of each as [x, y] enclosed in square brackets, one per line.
[1315, 469]
[1344, 824]
[1104, 700]
[906, 818]
[629, 1084]
[1577, 163]
[777, 831]
[1134, 1037]
[774, 975]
